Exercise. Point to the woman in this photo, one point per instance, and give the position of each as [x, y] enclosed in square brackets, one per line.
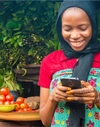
[79, 57]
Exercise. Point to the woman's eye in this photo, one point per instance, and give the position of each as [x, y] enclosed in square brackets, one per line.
[83, 29]
[68, 29]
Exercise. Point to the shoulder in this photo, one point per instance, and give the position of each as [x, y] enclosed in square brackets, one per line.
[96, 61]
[97, 57]
[55, 56]
[57, 61]
[49, 65]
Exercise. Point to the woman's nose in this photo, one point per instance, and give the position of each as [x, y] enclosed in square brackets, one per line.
[75, 35]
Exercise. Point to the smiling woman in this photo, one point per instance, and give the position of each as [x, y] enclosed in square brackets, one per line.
[76, 31]
[79, 57]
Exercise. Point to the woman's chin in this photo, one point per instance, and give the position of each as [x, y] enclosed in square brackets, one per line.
[77, 49]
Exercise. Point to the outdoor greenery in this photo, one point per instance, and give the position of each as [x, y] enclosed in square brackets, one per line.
[27, 33]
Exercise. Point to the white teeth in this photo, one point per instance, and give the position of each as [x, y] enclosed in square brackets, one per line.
[77, 43]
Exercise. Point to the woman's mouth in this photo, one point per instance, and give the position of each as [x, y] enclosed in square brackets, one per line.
[77, 43]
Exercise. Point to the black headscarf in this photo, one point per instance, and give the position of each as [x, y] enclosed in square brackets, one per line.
[82, 68]
[90, 9]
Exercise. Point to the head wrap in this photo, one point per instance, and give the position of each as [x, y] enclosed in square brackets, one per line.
[90, 9]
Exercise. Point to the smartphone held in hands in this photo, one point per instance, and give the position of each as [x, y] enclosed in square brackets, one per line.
[72, 82]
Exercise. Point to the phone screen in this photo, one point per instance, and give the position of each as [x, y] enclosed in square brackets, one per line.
[73, 83]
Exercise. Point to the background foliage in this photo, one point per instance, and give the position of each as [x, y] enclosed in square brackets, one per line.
[27, 31]
[27, 34]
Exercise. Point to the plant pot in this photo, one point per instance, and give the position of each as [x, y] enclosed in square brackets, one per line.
[16, 94]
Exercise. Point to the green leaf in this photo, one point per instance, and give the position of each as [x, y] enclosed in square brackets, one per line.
[11, 24]
[1, 80]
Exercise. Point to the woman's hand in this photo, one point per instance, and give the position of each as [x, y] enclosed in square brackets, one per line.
[59, 93]
[86, 95]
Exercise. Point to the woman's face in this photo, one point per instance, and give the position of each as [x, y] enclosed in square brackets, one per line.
[76, 28]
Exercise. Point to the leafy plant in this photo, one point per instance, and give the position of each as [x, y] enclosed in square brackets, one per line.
[7, 79]
[28, 28]
[27, 34]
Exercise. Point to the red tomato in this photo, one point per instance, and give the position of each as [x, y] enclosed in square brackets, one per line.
[24, 105]
[19, 100]
[4, 91]
[29, 109]
[12, 102]
[25, 109]
[9, 97]
[2, 98]
[17, 107]
[20, 110]
[1, 102]
[7, 102]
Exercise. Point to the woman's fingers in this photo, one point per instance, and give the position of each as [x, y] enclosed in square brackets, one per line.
[63, 88]
[85, 84]
[81, 91]
[85, 100]
[85, 95]
[59, 93]
[87, 88]
[60, 90]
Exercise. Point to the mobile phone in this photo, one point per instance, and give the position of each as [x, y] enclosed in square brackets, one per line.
[72, 82]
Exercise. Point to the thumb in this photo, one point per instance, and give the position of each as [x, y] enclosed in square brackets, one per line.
[85, 84]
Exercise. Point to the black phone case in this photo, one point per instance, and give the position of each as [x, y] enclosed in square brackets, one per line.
[72, 83]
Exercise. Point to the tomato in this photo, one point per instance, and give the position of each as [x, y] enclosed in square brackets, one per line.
[9, 97]
[7, 102]
[29, 109]
[2, 98]
[4, 91]
[1, 102]
[25, 109]
[24, 105]
[12, 102]
[20, 110]
[19, 100]
[17, 107]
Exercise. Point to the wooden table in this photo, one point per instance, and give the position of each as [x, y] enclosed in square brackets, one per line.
[18, 119]
[20, 116]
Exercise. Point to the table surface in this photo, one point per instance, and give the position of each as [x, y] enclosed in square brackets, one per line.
[20, 116]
